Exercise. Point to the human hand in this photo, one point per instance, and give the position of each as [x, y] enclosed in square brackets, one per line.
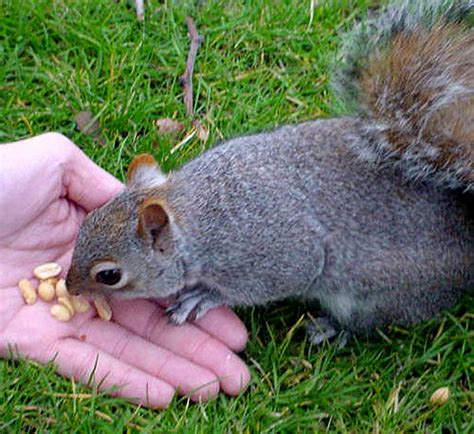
[47, 185]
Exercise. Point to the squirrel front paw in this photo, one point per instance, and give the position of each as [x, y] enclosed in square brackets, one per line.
[194, 302]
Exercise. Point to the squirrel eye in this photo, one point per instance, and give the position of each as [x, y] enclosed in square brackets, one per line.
[109, 273]
[109, 277]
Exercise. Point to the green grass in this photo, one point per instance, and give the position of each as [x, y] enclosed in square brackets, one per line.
[262, 63]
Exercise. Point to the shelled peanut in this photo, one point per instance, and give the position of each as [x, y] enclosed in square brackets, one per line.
[51, 287]
[47, 271]
[103, 308]
[440, 396]
[27, 291]
[46, 290]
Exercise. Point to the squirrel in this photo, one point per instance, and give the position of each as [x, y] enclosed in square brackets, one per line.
[369, 213]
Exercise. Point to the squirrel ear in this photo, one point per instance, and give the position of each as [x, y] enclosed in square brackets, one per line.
[144, 171]
[152, 218]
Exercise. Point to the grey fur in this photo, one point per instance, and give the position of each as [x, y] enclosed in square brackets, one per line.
[290, 213]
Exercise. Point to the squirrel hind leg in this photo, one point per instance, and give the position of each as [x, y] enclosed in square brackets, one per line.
[324, 329]
[193, 303]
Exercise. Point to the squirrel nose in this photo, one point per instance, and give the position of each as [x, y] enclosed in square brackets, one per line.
[72, 290]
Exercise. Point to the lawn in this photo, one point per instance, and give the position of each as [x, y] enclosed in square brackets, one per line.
[262, 63]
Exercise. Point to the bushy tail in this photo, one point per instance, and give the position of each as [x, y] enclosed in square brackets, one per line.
[411, 70]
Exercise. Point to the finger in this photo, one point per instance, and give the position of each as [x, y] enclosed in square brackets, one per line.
[149, 321]
[226, 326]
[86, 364]
[198, 383]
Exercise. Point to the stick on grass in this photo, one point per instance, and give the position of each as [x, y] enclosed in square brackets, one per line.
[140, 7]
[187, 78]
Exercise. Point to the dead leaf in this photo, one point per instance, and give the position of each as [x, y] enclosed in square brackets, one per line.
[201, 130]
[169, 126]
[86, 124]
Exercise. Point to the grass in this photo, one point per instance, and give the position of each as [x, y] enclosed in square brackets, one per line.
[262, 63]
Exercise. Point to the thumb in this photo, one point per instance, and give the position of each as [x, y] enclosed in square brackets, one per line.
[87, 184]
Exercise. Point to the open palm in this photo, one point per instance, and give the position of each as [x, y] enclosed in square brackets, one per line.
[47, 185]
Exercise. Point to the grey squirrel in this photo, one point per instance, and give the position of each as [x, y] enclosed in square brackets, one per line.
[370, 215]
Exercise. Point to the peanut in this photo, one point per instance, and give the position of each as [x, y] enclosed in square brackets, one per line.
[27, 291]
[46, 271]
[46, 290]
[52, 280]
[103, 308]
[60, 312]
[61, 289]
[51, 286]
[80, 304]
[440, 396]
[67, 301]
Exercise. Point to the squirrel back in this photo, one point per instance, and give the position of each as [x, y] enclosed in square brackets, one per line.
[411, 70]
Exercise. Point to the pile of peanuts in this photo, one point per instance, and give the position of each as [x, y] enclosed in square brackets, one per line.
[50, 286]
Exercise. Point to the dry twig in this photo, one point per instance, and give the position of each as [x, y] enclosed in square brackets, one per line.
[187, 77]
[140, 6]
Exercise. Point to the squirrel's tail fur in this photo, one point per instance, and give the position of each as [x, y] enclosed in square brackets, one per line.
[411, 70]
